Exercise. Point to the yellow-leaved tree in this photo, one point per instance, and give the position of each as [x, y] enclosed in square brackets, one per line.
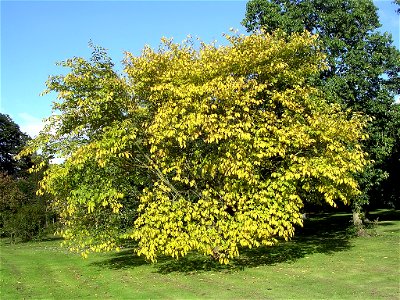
[200, 148]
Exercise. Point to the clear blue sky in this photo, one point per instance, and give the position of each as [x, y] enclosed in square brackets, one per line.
[36, 34]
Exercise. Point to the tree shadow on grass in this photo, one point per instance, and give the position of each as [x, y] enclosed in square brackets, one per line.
[322, 233]
[384, 215]
[125, 259]
[36, 240]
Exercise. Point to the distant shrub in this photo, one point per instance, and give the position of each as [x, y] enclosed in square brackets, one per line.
[23, 215]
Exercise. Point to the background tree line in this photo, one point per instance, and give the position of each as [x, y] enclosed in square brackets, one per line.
[23, 214]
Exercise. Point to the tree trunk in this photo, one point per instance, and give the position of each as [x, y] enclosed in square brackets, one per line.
[357, 218]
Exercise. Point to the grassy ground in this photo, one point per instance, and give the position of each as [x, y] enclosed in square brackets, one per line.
[322, 262]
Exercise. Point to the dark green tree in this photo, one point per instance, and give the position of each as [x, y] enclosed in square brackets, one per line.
[363, 72]
[12, 139]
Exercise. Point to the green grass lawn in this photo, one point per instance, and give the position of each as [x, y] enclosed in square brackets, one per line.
[323, 262]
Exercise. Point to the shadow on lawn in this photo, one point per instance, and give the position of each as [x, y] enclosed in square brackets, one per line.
[384, 215]
[322, 233]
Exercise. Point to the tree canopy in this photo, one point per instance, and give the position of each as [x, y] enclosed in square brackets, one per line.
[363, 73]
[197, 147]
[12, 140]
